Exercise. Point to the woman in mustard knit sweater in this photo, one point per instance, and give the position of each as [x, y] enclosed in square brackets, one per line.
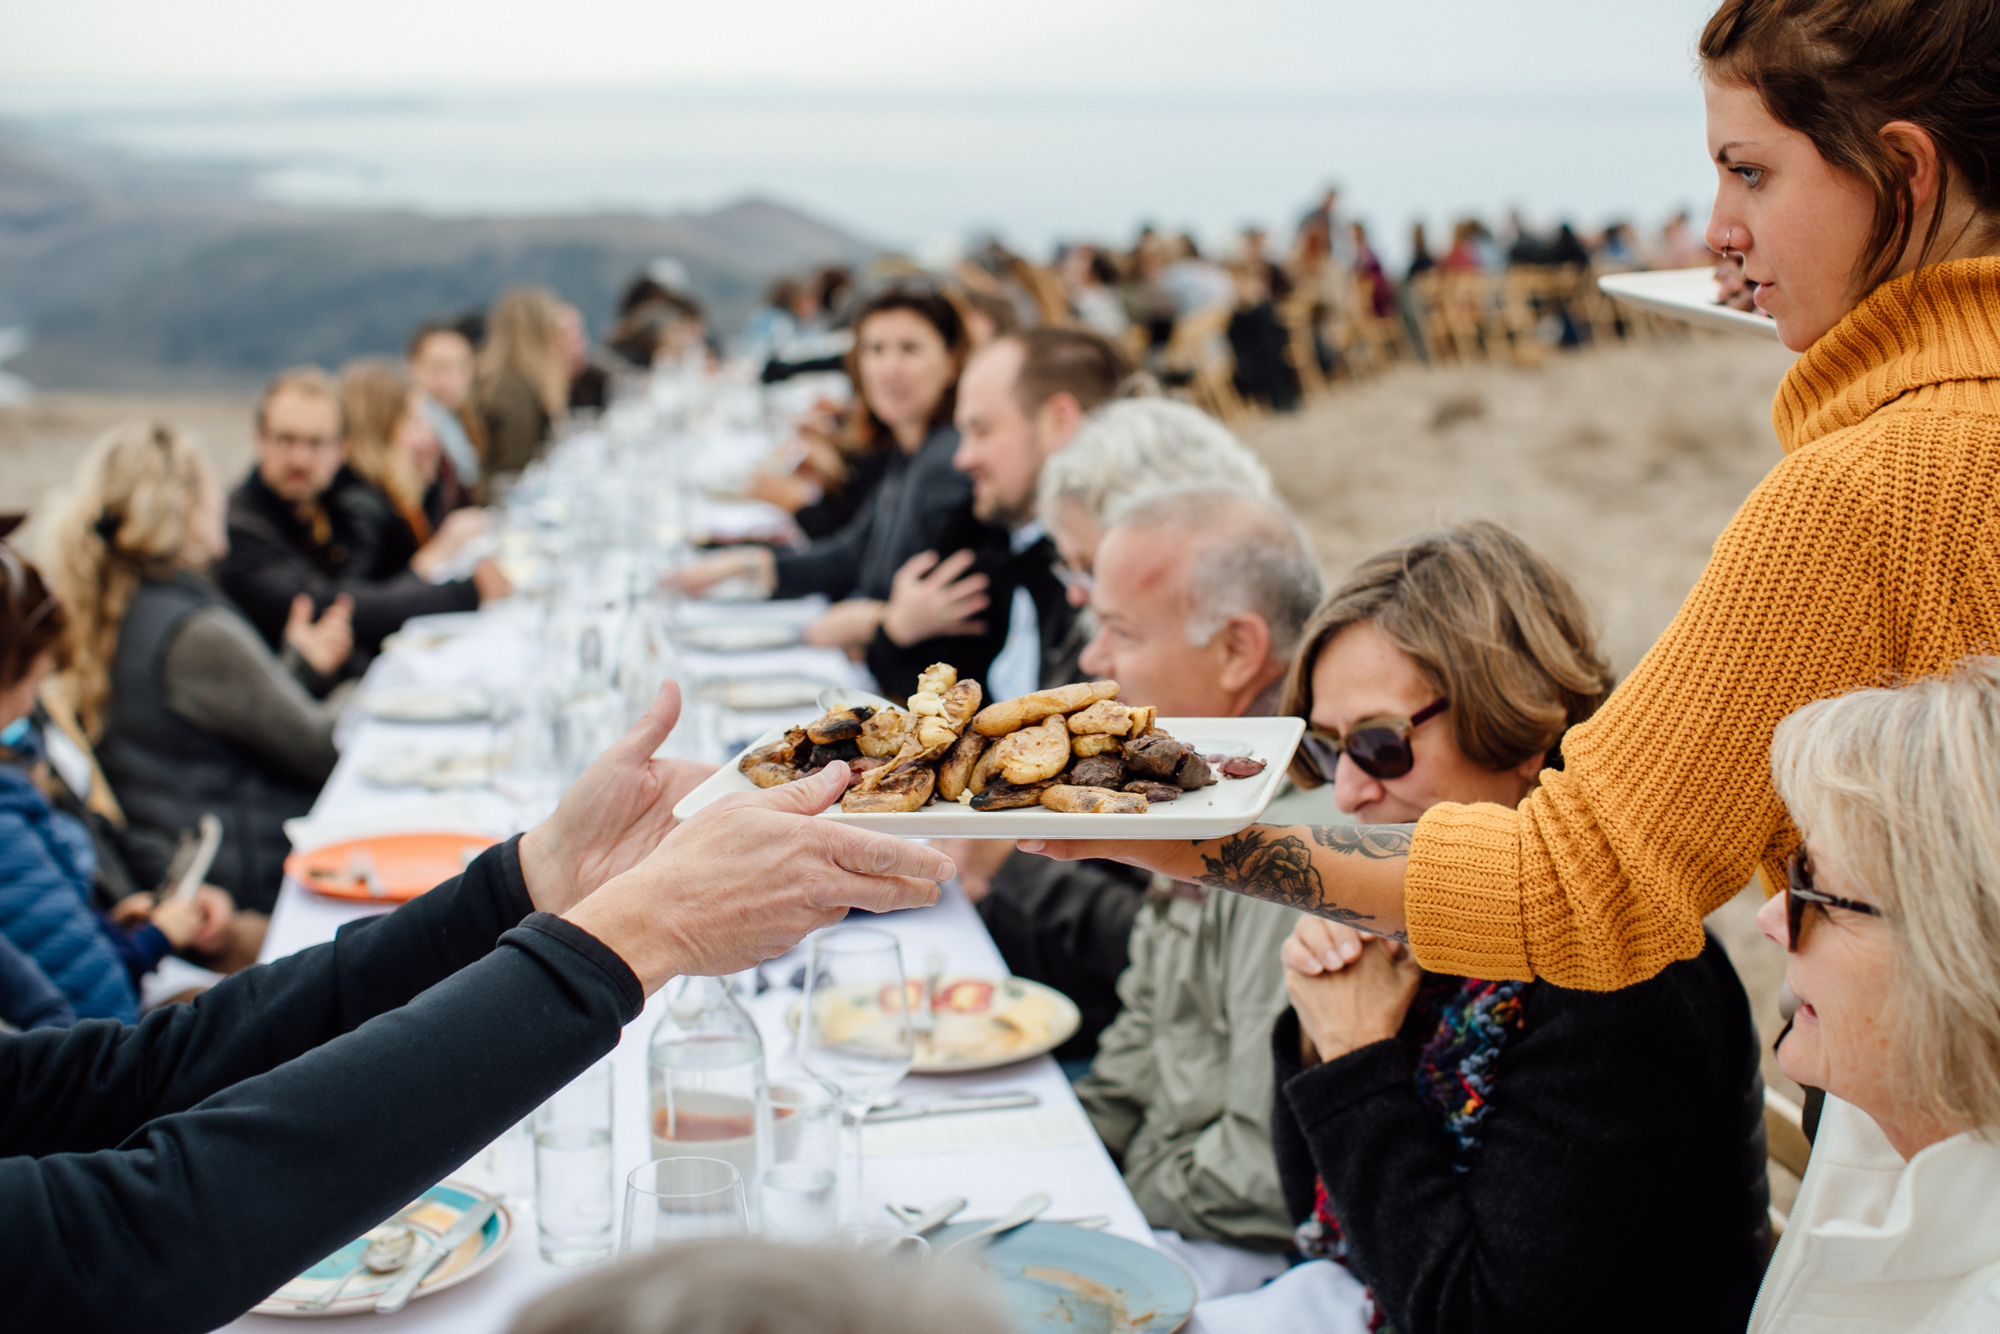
[1857, 145]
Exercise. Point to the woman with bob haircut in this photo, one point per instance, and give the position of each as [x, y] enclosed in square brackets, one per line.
[1857, 144]
[392, 446]
[1494, 1155]
[909, 347]
[1892, 918]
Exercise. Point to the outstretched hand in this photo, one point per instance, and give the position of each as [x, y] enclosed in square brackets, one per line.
[324, 642]
[614, 815]
[748, 877]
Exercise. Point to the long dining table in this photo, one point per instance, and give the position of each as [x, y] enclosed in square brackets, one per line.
[990, 1158]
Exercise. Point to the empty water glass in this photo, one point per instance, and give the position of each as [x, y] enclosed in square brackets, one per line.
[798, 1186]
[673, 1200]
[573, 1176]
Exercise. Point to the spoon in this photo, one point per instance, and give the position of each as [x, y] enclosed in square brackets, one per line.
[1024, 1212]
[385, 1255]
[922, 1222]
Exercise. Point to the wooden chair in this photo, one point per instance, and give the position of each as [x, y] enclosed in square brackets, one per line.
[1200, 346]
[1785, 1143]
[1296, 314]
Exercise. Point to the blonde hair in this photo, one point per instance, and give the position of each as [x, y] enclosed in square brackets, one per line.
[126, 519]
[524, 334]
[1902, 786]
[375, 396]
[1495, 629]
[749, 1286]
[1140, 444]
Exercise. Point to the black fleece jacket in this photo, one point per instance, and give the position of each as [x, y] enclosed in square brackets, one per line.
[171, 1174]
[1620, 1177]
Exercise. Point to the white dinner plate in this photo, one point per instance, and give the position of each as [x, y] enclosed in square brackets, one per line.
[428, 704]
[738, 637]
[1687, 295]
[1222, 808]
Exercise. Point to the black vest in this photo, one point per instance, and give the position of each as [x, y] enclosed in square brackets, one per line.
[167, 772]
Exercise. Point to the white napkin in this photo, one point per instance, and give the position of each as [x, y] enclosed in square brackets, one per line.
[444, 813]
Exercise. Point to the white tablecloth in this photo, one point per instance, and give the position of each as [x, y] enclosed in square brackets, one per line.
[1047, 1149]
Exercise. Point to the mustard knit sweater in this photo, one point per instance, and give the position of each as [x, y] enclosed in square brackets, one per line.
[1869, 555]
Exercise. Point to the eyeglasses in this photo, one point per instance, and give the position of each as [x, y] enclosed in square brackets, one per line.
[1379, 747]
[1799, 892]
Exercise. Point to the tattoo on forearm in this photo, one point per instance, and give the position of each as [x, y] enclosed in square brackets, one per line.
[1274, 867]
[1376, 842]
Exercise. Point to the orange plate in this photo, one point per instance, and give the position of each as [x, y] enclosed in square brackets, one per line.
[408, 864]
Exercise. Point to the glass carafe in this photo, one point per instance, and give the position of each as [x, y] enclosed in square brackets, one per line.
[708, 1095]
[593, 715]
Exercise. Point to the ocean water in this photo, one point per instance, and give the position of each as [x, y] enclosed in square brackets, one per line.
[921, 171]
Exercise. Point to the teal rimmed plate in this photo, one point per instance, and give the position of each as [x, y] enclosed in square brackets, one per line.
[429, 1215]
[1072, 1280]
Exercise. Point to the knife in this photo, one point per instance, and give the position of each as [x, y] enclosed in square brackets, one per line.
[990, 1102]
[405, 1286]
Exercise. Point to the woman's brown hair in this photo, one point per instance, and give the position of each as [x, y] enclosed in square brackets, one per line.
[1494, 628]
[1837, 71]
[933, 307]
[524, 334]
[375, 395]
[31, 620]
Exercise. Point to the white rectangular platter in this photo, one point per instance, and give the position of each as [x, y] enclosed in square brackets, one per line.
[1221, 808]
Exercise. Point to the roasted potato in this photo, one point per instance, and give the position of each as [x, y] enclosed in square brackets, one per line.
[792, 748]
[840, 725]
[941, 718]
[882, 735]
[1032, 754]
[1027, 710]
[987, 770]
[1094, 743]
[1107, 715]
[767, 774]
[954, 771]
[1092, 801]
[904, 789]
[1001, 795]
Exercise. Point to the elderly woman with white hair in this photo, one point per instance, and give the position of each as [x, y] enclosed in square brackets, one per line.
[1892, 920]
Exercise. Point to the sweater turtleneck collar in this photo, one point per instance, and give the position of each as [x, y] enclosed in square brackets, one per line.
[1937, 325]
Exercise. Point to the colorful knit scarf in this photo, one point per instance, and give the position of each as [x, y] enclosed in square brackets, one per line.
[1458, 1027]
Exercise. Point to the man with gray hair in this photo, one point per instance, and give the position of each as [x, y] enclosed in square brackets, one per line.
[1200, 595]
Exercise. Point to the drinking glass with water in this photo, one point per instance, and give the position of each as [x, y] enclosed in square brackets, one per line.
[797, 1191]
[855, 1032]
[573, 1176]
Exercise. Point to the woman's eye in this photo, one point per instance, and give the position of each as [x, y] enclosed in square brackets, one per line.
[1751, 175]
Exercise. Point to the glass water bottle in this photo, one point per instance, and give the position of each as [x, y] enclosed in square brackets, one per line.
[709, 1097]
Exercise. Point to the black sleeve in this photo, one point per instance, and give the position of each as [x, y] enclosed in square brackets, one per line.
[1608, 1166]
[198, 1214]
[830, 568]
[1296, 1172]
[102, 1080]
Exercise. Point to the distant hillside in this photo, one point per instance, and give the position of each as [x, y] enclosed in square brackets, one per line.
[146, 278]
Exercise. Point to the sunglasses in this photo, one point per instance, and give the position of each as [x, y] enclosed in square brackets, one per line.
[1799, 892]
[1379, 747]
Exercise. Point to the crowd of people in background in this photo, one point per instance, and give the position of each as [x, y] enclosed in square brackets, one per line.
[1556, 1121]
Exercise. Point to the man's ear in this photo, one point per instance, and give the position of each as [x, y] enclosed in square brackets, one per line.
[1058, 421]
[1245, 642]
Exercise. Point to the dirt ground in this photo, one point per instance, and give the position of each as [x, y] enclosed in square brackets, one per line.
[1621, 465]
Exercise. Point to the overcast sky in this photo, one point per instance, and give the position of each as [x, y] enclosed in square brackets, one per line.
[68, 50]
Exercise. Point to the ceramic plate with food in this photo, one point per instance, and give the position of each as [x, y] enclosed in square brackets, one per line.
[1072, 762]
[428, 704]
[1064, 1280]
[429, 1217]
[981, 1022]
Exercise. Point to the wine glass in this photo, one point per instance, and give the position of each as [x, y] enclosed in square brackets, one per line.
[855, 1033]
[672, 1200]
